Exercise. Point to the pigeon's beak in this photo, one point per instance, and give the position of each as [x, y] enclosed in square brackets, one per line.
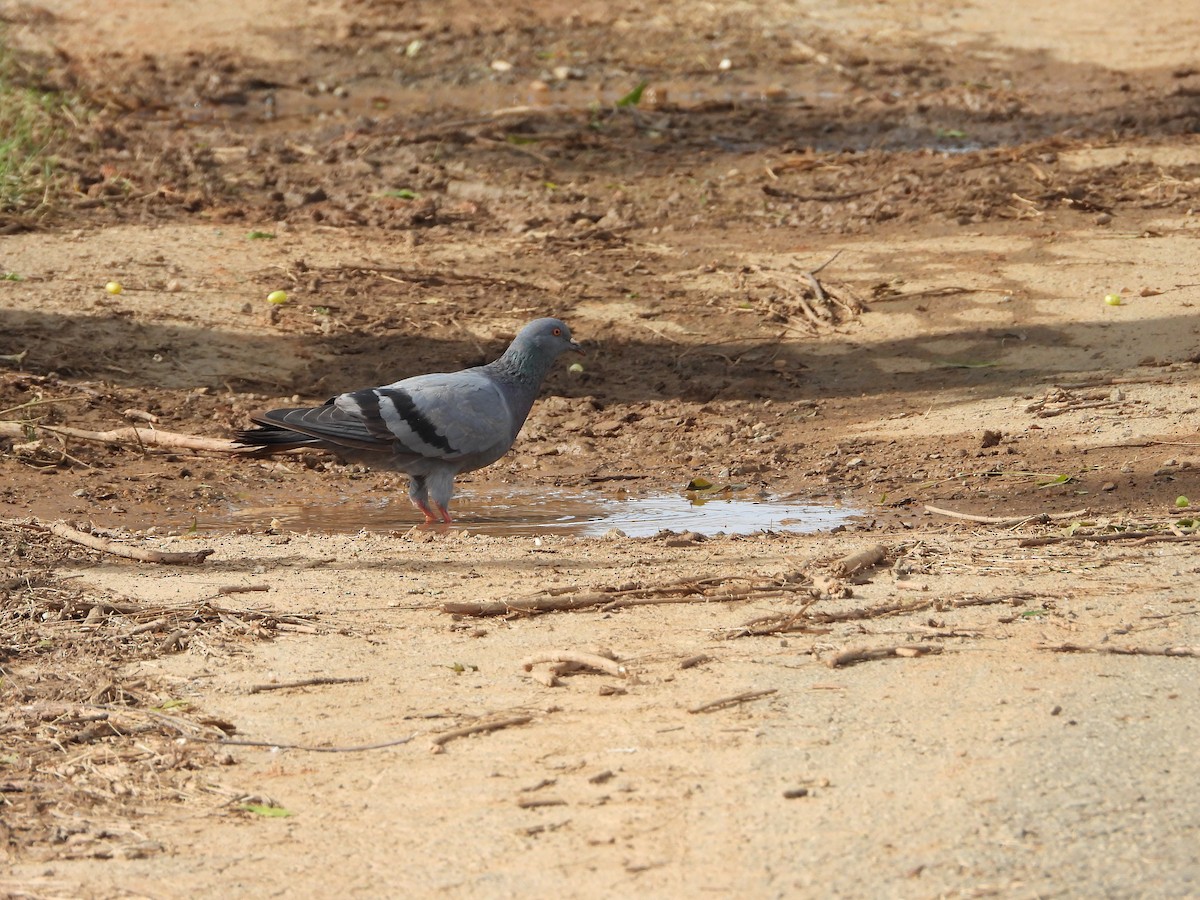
[576, 347]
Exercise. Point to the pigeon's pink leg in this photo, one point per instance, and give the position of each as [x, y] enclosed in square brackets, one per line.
[430, 518]
[445, 513]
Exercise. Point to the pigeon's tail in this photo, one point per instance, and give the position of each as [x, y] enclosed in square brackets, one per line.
[268, 439]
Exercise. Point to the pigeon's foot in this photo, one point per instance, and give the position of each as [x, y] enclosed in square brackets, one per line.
[444, 513]
[430, 518]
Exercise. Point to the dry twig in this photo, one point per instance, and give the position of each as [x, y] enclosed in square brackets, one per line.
[577, 658]
[803, 620]
[438, 743]
[1063, 410]
[305, 682]
[1007, 520]
[130, 435]
[276, 745]
[565, 662]
[863, 559]
[1121, 651]
[535, 802]
[734, 700]
[95, 542]
[1142, 537]
[851, 655]
[690, 590]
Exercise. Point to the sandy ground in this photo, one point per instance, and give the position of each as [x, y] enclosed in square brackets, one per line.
[433, 175]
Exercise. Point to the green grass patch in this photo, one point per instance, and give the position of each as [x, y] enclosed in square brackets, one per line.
[33, 123]
[634, 97]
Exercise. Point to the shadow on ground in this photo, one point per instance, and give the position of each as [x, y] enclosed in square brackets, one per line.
[992, 361]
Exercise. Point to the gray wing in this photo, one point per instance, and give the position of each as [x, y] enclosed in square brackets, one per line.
[449, 416]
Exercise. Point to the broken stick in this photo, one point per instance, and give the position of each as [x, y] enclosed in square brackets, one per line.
[1142, 537]
[139, 437]
[863, 559]
[537, 802]
[734, 700]
[305, 682]
[569, 603]
[276, 745]
[438, 742]
[578, 658]
[1006, 520]
[1121, 651]
[686, 592]
[852, 655]
[95, 542]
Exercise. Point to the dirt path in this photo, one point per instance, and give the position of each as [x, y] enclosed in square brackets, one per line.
[422, 178]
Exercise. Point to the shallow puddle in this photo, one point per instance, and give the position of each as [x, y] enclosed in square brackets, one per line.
[553, 512]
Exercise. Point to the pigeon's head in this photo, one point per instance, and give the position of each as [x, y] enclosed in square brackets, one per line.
[546, 338]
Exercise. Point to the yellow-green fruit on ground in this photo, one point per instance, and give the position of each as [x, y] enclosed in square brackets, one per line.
[114, 287]
[277, 297]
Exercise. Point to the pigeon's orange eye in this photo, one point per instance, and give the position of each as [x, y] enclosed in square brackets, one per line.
[557, 332]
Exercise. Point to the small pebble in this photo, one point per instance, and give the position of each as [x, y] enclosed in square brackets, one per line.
[686, 539]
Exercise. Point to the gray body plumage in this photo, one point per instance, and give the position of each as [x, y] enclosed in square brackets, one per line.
[431, 427]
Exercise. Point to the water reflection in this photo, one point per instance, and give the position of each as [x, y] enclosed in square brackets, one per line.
[552, 512]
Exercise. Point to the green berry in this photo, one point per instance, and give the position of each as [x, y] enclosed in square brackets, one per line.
[277, 297]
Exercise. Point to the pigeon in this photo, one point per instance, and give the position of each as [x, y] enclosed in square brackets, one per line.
[431, 427]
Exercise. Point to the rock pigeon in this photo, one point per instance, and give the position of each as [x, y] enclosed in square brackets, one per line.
[431, 427]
